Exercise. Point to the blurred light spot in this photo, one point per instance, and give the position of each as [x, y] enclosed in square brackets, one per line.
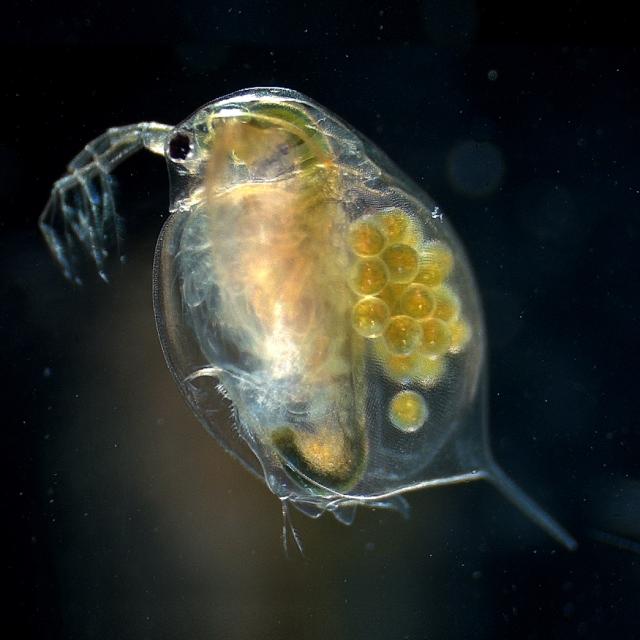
[475, 168]
[492, 75]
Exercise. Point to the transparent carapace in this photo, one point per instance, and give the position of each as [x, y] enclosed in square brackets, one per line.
[306, 279]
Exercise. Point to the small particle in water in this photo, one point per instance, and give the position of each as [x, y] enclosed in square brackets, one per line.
[492, 75]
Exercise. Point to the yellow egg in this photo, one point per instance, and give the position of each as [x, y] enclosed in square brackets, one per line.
[402, 262]
[416, 301]
[460, 334]
[402, 335]
[407, 411]
[368, 276]
[447, 305]
[436, 337]
[394, 224]
[436, 262]
[370, 317]
[366, 239]
[428, 370]
[399, 368]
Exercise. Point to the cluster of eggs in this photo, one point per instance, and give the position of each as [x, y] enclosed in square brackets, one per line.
[405, 307]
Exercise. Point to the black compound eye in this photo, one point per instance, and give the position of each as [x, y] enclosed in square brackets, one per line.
[179, 146]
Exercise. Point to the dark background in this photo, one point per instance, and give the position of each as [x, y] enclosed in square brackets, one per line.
[124, 519]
